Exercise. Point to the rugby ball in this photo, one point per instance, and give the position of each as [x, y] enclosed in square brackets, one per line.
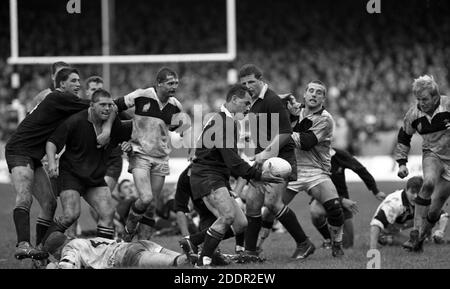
[278, 168]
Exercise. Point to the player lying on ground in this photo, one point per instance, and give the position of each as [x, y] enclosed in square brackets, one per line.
[430, 117]
[101, 253]
[396, 213]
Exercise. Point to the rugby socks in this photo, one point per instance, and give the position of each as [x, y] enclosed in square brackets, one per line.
[133, 218]
[322, 227]
[212, 240]
[240, 239]
[56, 226]
[198, 238]
[421, 208]
[336, 232]
[147, 221]
[54, 237]
[289, 220]
[42, 226]
[21, 217]
[105, 232]
[442, 223]
[252, 233]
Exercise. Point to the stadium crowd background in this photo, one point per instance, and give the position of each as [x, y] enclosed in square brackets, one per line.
[367, 60]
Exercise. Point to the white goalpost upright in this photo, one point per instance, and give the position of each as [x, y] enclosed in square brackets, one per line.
[105, 58]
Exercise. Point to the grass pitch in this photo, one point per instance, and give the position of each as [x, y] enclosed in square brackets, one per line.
[278, 247]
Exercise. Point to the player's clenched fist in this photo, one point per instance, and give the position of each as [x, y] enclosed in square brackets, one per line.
[402, 171]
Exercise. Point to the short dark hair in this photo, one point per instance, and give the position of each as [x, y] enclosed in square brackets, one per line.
[164, 73]
[119, 186]
[249, 69]
[57, 65]
[238, 90]
[63, 75]
[94, 78]
[319, 83]
[99, 93]
[415, 184]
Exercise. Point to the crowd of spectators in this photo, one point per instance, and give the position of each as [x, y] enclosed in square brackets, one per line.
[367, 60]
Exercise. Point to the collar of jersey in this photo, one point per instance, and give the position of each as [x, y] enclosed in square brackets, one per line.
[262, 92]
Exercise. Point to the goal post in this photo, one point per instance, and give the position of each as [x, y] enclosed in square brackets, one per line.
[229, 55]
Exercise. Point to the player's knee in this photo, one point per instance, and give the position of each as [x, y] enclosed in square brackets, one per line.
[335, 214]
[24, 200]
[427, 187]
[70, 217]
[228, 218]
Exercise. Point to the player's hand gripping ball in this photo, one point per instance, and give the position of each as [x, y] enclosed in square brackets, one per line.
[278, 167]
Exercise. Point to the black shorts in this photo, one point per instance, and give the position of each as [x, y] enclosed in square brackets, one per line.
[203, 182]
[21, 161]
[68, 181]
[114, 167]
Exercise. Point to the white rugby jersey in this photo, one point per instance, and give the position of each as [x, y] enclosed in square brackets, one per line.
[95, 253]
[395, 208]
[151, 121]
[432, 129]
[312, 136]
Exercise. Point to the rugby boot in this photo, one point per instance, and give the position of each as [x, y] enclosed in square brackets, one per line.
[336, 249]
[413, 244]
[218, 259]
[326, 244]
[26, 250]
[303, 250]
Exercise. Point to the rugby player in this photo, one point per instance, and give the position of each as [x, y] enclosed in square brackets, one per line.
[156, 112]
[312, 136]
[82, 167]
[115, 162]
[430, 118]
[396, 213]
[25, 149]
[216, 159]
[55, 67]
[101, 253]
[340, 160]
[190, 242]
[266, 105]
